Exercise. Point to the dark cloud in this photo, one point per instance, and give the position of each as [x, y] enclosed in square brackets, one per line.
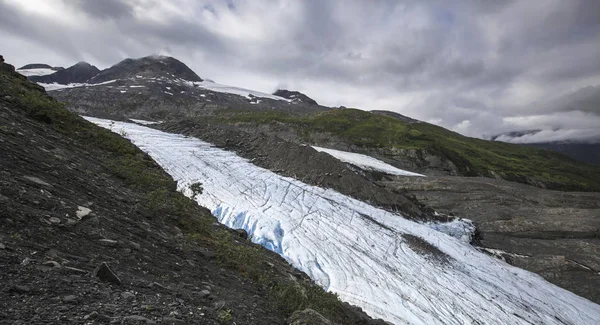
[106, 9]
[478, 67]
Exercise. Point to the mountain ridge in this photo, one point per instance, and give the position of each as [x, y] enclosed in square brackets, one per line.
[149, 67]
[77, 73]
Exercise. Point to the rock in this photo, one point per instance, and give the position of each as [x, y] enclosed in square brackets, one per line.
[242, 233]
[52, 264]
[108, 242]
[82, 212]
[21, 289]
[206, 253]
[76, 270]
[91, 315]
[37, 181]
[308, 317]
[70, 299]
[54, 220]
[2, 246]
[127, 295]
[137, 318]
[172, 321]
[204, 293]
[105, 274]
[135, 245]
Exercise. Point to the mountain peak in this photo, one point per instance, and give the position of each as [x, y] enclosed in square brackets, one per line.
[295, 96]
[152, 66]
[77, 73]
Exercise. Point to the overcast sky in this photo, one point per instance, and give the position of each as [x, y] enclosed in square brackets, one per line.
[476, 67]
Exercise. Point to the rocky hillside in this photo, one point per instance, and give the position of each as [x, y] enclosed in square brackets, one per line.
[78, 73]
[93, 231]
[420, 147]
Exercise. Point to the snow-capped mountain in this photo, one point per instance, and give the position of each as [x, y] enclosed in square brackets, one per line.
[403, 271]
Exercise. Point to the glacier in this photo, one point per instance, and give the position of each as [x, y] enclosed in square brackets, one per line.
[395, 269]
[365, 162]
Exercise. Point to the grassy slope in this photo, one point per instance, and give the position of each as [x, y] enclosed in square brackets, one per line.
[473, 157]
[127, 162]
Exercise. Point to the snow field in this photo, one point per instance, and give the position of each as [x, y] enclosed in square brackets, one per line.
[366, 162]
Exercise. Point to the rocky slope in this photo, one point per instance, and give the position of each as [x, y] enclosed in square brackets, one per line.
[555, 234]
[78, 73]
[92, 231]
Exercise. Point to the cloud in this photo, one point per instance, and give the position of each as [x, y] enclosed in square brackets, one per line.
[477, 67]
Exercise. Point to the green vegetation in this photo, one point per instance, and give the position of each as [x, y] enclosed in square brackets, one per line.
[224, 316]
[162, 203]
[473, 157]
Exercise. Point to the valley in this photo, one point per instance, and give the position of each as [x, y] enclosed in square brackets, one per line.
[412, 223]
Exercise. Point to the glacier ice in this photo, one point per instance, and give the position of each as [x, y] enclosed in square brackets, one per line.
[360, 252]
[366, 162]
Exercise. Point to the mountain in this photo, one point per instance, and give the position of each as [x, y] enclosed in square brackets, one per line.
[395, 115]
[158, 87]
[147, 67]
[588, 152]
[78, 73]
[295, 96]
[344, 214]
[585, 152]
[39, 66]
[92, 230]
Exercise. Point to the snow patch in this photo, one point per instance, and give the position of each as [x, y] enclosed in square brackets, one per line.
[144, 122]
[232, 90]
[366, 162]
[56, 86]
[360, 252]
[35, 72]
